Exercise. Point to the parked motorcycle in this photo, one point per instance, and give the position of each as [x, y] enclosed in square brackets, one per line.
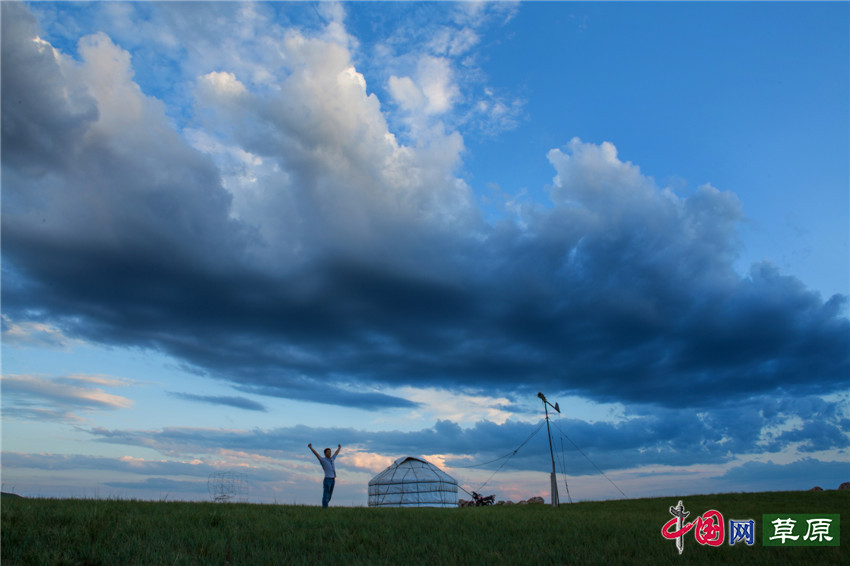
[481, 501]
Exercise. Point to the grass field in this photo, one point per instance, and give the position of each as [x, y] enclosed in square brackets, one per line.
[119, 532]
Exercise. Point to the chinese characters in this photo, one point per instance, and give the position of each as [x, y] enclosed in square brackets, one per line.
[790, 529]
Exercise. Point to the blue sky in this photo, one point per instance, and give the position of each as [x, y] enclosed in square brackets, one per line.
[230, 229]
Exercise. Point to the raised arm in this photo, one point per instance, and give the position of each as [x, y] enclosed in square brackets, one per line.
[338, 448]
[314, 451]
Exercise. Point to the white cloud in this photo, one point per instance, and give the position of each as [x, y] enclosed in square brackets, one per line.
[330, 173]
[366, 460]
[107, 75]
[603, 194]
[44, 46]
[35, 334]
[433, 73]
[462, 408]
[436, 79]
[406, 93]
[590, 174]
[222, 84]
[453, 42]
[36, 394]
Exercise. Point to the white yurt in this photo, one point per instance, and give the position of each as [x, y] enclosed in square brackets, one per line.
[413, 482]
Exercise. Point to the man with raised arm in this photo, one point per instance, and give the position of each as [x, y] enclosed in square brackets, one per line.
[327, 463]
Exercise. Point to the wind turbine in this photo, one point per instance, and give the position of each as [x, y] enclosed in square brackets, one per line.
[546, 405]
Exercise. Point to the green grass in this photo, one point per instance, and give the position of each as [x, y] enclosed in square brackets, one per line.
[119, 532]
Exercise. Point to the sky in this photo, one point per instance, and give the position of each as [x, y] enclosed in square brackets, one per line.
[233, 229]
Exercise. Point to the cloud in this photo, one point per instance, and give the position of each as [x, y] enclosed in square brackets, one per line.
[430, 70]
[435, 76]
[291, 243]
[27, 412]
[34, 335]
[221, 84]
[101, 194]
[238, 402]
[406, 93]
[263, 479]
[37, 397]
[814, 436]
[795, 476]
[181, 479]
[648, 436]
[72, 462]
[457, 406]
[161, 484]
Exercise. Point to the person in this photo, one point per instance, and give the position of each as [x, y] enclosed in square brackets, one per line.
[327, 463]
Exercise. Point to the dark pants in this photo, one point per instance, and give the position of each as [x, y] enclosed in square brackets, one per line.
[328, 486]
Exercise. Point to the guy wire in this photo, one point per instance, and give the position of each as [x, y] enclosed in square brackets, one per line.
[591, 461]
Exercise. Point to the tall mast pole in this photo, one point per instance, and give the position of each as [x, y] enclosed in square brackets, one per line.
[552, 477]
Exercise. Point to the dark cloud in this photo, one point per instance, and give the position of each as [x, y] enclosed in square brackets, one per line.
[229, 401]
[308, 389]
[815, 436]
[795, 476]
[655, 436]
[360, 264]
[41, 121]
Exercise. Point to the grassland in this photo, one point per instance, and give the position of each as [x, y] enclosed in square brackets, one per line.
[124, 532]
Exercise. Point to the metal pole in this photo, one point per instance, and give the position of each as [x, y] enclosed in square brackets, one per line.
[552, 478]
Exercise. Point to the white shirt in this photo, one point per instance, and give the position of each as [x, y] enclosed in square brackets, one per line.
[328, 466]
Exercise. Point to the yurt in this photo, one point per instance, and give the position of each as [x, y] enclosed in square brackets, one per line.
[412, 482]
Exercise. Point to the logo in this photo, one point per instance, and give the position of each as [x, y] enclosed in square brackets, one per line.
[801, 529]
[789, 529]
[708, 528]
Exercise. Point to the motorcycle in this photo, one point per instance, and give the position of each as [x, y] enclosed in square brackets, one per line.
[481, 501]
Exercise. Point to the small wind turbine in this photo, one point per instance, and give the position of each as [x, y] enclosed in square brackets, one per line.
[546, 405]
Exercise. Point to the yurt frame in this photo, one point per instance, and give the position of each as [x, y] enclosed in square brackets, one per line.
[422, 485]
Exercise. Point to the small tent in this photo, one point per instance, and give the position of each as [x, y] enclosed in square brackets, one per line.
[412, 482]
